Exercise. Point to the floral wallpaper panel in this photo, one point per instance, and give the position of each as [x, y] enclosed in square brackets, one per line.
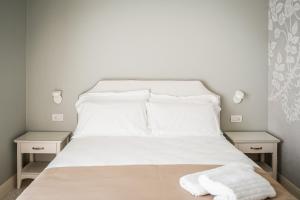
[284, 56]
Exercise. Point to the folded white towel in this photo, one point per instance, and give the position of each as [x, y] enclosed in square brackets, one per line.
[236, 184]
[191, 184]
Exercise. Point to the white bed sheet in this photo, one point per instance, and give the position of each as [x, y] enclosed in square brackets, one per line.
[127, 150]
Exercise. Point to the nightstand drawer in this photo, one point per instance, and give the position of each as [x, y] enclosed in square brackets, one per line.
[256, 147]
[38, 147]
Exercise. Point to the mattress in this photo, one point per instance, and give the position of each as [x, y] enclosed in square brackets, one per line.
[127, 150]
[134, 168]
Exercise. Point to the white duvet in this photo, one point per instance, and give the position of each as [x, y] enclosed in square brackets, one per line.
[127, 150]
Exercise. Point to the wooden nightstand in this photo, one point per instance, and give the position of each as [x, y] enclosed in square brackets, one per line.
[37, 143]
[259, 143]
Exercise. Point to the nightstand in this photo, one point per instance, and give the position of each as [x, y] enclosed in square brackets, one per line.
[37, 143]
[258, 143]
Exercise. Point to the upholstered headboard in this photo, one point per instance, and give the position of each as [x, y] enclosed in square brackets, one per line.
[178, 88]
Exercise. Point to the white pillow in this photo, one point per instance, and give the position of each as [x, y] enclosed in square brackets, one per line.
[183, 119]
[188, 99]
[111, 118]
[138, 95]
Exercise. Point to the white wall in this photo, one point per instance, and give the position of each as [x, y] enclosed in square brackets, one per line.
[71, 44]
[12, 82]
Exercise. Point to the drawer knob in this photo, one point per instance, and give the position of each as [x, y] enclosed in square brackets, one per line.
[38, 148]
[256, 148]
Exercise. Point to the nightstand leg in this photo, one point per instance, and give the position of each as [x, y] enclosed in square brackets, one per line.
[19, 166]
[31, 159]
[274, 161]
[262, 157]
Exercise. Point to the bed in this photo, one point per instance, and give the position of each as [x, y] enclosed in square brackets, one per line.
[134, 167]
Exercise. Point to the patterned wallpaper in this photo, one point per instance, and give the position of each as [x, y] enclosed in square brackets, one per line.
[284, 84]
[284, 56]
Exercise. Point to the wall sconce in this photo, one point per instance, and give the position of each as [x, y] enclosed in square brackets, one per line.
[57, 96]
[238, 96]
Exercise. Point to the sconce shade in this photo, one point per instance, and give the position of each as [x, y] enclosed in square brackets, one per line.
[57, 96]
[238, 96]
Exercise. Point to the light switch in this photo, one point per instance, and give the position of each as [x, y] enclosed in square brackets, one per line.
[236, 118]
[57, 117]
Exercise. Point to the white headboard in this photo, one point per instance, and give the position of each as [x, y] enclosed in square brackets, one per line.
[177, 88]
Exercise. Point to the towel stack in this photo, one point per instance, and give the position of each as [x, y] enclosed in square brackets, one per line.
[230, 182]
